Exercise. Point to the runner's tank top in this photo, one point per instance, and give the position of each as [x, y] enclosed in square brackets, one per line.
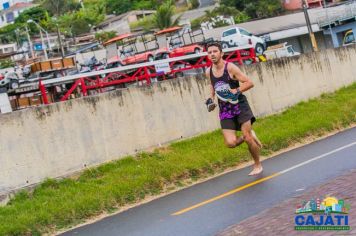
[226, 109]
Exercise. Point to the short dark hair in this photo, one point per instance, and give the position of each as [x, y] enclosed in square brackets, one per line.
[214, 44]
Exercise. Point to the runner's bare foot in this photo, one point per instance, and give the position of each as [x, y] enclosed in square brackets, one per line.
[256, 170]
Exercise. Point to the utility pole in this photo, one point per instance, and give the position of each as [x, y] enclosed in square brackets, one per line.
[29, 42]
[311, 33]
[44, 48]
[60, 41]
[329, 23]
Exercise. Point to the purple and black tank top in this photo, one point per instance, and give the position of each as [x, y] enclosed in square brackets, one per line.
[226, 109]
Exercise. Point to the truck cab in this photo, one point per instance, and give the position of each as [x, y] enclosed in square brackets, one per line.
[280, 50]
[349, 38]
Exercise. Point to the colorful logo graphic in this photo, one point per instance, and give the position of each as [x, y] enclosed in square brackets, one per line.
[328, 214]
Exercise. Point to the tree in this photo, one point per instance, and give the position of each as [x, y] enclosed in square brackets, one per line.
[38, 14]
[105, 36]
[7, 33]
[121, 6]
[226, 11]
[59, 7]
[194, 4]
[118, 7]
[256, 9]
[164, 15]
[146, 4]
[80, 22]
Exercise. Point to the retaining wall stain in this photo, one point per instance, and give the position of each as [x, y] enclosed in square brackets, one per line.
[175, 85]
[117, 95]
[93, 101]
[148, 90]
[255, 68]
[41, 113]
[202, 82]
[161, 87]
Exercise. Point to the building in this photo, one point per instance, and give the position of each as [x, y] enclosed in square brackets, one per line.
[8, 48]
[5, 4]
[11, 12]
[336, 207]
[292, 29]
[10, 51]
[121, 23]
[297, 4]
[313, 205]
[337, 21]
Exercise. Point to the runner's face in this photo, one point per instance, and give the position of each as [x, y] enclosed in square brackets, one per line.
[214, 54]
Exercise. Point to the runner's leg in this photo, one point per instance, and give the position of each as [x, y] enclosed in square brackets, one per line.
[252, 146]
[230, 138]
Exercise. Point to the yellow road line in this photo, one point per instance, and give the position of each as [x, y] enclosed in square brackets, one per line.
[226, 194]
[263, 179]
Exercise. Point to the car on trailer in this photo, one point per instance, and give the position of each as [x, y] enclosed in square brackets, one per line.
[133, 49]
[239, 37]
[177, 41]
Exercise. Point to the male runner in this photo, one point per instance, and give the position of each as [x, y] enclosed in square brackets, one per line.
[228, 83]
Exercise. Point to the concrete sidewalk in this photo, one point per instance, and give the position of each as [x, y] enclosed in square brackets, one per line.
[279, 220]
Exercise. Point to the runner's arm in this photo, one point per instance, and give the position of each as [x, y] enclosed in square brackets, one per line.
[237, 74]
[212, 91]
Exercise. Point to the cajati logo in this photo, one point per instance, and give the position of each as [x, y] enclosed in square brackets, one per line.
[328, 214]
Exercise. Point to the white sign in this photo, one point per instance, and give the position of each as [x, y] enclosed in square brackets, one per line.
[163, 68]
[5, 105]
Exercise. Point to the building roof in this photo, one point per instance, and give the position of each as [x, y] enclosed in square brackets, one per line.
[118, 38]
[18, 6]
[168, 30]
[112, 19]
[194, 14]
[282, 23]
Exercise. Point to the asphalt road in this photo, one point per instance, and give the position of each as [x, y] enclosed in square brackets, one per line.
[285, 176]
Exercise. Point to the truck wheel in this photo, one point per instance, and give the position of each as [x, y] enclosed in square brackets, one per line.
[259, 49]
[150, 58]
[14, 84]
[225, 45]
[197, 51]
[165, 56]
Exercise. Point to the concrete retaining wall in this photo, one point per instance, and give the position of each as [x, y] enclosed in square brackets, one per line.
[62, 138]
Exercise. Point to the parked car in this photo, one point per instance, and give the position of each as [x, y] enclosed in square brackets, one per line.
[91, 64]
[10, 80]
[349, 38]
[239, 37]
[280, 50]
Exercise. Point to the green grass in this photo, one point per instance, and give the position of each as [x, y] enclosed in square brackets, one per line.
[57, 204]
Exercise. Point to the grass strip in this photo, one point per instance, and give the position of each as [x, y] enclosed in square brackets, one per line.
[56, 204]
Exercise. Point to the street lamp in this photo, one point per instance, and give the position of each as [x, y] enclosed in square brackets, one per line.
[29, 42]
[44, 46]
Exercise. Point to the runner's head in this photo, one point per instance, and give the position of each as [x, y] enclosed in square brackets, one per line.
[215, 53]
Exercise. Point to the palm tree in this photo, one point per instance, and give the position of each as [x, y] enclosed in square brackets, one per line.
[164, 15]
